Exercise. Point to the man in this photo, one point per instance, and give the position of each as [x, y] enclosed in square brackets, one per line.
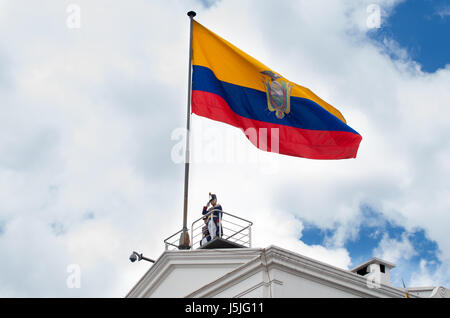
[214, 217]
[205, 232]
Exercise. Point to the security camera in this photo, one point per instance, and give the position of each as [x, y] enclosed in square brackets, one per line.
[133, 257]
[137, 257]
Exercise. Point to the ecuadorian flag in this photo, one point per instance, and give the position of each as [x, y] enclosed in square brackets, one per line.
[232, 87]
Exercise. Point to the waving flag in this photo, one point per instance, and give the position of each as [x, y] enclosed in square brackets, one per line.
[230, 86]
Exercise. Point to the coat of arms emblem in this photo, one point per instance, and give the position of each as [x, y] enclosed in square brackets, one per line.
[278, 93]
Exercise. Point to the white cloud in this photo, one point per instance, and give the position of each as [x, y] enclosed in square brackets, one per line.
[87, 116]
[424, 277]
[393, 250]
[443, 12]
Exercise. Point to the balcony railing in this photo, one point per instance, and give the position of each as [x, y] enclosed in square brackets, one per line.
[231, 228]
[171, 243]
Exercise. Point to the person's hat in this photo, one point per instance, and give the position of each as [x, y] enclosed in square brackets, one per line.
[213, 196]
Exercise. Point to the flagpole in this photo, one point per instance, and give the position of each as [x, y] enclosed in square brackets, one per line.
[184, 239]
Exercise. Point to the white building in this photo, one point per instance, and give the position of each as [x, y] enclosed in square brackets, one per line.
[219, 269]
[269, 272]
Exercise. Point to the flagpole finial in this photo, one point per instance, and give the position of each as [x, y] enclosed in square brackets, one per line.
[191, 14]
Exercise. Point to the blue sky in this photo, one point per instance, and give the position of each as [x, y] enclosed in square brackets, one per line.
[421, 32]
[422, 28]
[372, 229]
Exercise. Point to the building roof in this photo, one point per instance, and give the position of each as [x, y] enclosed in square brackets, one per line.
[373, 260]
[253, 272]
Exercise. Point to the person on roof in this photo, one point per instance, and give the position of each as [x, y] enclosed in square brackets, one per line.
[205, 232]
[214, 214]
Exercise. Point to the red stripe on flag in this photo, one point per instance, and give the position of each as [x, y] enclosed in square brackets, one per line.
[312, 144]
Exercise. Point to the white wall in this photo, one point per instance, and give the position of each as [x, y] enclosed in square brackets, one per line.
[183, 280]
[301, 287]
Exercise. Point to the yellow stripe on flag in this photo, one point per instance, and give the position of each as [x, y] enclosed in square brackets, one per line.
[234, 66]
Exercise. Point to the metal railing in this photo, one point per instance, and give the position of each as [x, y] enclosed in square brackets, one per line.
[171, 242]
[231, 228]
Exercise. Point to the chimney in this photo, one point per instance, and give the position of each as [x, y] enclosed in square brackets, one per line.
[376, 270]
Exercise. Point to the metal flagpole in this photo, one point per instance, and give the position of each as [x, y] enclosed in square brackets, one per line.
[184, 239]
